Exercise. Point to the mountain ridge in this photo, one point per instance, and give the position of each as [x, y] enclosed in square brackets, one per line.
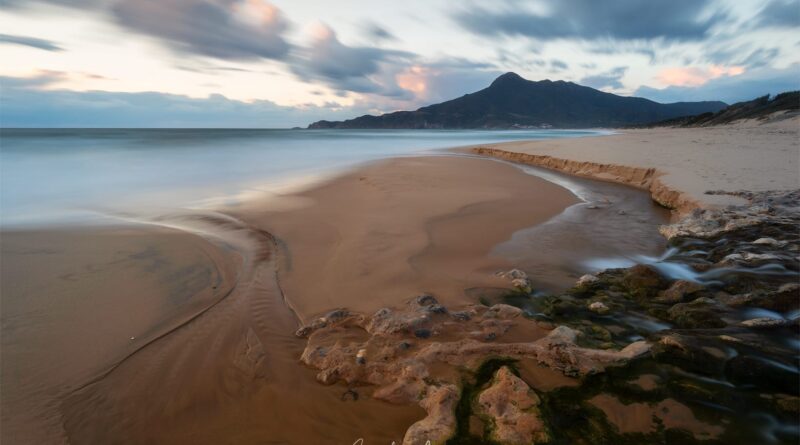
[511, 101]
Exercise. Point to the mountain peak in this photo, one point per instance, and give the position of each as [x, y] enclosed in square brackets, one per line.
[513, 102]
[508, 78]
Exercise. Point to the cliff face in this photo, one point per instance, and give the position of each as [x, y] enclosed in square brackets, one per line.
[511, 101]
[643, 178]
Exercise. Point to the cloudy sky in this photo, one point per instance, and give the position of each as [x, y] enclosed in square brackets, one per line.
[280, 63]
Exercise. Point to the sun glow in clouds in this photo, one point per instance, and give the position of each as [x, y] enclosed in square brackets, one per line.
[694, 76]
[413, 79]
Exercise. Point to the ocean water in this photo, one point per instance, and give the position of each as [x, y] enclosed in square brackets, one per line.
[56, 176]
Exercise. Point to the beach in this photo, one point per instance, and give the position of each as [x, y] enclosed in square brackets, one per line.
[679, 165]
[354, 307]
[148, 302]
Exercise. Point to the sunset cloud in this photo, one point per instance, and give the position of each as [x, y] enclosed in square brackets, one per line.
[224, 29]
[392, 55]
[696, 76]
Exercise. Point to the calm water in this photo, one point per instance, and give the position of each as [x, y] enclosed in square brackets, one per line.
[55, 176]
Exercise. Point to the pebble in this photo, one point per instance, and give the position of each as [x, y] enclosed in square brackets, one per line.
[599, 307]
[361, 356]
[587, 279]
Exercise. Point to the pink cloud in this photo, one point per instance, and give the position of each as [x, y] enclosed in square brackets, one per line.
[695, 76]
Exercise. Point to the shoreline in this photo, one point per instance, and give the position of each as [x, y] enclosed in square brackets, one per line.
[401, 227]
[299, 251]
[669, 163]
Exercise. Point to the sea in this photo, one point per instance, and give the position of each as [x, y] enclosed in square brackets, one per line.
[62, 176]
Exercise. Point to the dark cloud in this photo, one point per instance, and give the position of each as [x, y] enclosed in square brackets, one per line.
[81, 4]
[26, 105]
[730, 89]
[558, 65]
[780, 14]
[359, 69]
[609, 79]
[678, 20]
[223, 29]
[743, 55]
[377, 32]
[519, 61]
[31, 42]
[629, 47]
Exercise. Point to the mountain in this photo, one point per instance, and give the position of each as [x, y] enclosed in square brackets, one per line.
[763, 108]
[511, 101]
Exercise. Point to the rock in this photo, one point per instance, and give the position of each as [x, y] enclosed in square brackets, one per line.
[440, 423]
[361, 356]
[701, 313]
[788, 404]
[503, 311]
[732, 258]
[599, 308]
[388, 322]
[763, 373]
[425, 300]
[786, 298]
[643, 281]
[422, 333]
[679, 291]
[333, 318]
[764, 323]
[758, 257]
[768, 242]
[512, 409]
[522, 285]
[749, 257]
[513, 274]
[462, 315]
[587, 280]
[689, 353]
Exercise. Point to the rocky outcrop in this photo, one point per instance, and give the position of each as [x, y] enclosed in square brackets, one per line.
[722, 305]
[774, 208]
[440, 423]
[512, 409]
[639, 177]
[387, 350]
[396, 359]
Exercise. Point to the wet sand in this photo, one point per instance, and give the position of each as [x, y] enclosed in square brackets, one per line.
[75, 301]
[398, 228]
[220, 365]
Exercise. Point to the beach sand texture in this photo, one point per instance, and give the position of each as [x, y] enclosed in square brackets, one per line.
[147, 334]
[123, 335]
[685, 162]
[398, 228]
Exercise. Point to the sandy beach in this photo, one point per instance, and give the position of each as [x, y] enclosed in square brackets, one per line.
[679, 164]
[181, 328]
[189, 292]
[402, 227]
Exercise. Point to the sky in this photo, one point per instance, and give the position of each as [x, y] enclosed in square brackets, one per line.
[285, 63]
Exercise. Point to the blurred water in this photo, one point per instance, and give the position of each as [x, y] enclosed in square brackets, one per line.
[55, 175]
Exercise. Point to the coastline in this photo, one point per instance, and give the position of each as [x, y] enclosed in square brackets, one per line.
[669, 349]
[677, 166]
[436, 210]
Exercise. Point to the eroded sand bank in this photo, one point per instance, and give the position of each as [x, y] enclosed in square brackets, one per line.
[677, 165]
